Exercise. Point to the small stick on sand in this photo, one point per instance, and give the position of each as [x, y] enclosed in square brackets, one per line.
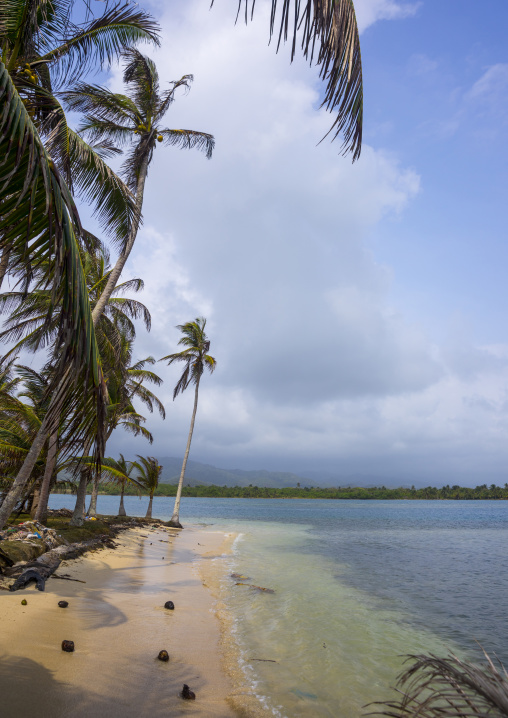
[265, 660]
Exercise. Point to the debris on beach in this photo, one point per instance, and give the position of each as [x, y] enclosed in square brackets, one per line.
[239, 577]
[163, 656]
[169, 605]
[68, 646]
[257, 588]
[30, 530]
[187, 694]
[24, 602]
[38, 573]
[264, 660]
[63, 604]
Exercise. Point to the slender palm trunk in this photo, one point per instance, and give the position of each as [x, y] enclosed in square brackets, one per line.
[121, 510]
[149, 511]
[120, 262]
[42, 508]
[78, 516]
[175, 519]
[92, 509]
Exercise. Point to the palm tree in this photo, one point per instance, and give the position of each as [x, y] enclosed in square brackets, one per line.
[118, 471]
[436, 687]
[134, 119]
[27, 324]
[195, 358]
[41, 46]
[38, 218]
[149, 471]
[124, 386]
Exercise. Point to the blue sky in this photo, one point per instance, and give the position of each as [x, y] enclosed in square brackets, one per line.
[449, 251]
[357, 312]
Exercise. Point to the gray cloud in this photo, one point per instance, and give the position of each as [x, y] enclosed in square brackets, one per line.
[316, 367]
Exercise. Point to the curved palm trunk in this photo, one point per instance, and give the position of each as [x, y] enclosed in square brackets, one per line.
[92, 509]
[121, 510]
[120, 262]
[42, 508]
[23, 476]
[175, 519]
[149, 511]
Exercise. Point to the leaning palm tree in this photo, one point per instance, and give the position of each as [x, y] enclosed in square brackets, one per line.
[448, 688]
[195, 358]
[149, 471]
[38, 218]
[135, 120]
[41, 47]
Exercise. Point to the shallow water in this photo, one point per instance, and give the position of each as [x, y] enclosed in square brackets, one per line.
[357, 585]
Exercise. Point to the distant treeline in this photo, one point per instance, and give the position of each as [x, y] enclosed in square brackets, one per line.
[312, 492]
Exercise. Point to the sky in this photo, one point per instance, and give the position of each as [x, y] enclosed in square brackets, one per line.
[356, 311]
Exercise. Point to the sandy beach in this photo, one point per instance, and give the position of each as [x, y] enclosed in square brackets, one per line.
[118, 623]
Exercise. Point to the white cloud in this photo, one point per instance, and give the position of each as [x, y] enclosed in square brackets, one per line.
[268, 240]
[370, 11]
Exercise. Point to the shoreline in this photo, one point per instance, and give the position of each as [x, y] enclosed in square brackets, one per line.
[118, 623]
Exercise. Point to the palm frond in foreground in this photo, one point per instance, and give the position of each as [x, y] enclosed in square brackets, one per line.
[328, 34]
[449, 688]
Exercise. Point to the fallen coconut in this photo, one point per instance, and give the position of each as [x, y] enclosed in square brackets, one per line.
[169, 605]
[187, 694]
[68, 646]
[63, 604]
[163, 656]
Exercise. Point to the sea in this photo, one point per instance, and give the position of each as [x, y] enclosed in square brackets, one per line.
[356, 588]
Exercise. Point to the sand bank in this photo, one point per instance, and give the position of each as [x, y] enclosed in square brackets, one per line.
[118, 624]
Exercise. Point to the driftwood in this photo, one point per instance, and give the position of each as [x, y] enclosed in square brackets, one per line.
[265, 660]
[67, 578]
[39, 574]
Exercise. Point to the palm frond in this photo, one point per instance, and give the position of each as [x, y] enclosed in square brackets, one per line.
[112, 201]
[37, 220]
[188, 139]
[447, 688]
[102, 39]
[330, 38]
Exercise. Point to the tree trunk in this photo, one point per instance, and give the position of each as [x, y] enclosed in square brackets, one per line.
[24, 474]
[78, 516]
[149, 511]
[42, 508]
[120, 262]
[92, 509]
[121, 510]
[175, 519]
[36, 497]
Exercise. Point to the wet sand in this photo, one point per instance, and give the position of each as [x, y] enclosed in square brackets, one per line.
[118, 624]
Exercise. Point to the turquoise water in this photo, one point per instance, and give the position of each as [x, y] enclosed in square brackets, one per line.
[357, 584]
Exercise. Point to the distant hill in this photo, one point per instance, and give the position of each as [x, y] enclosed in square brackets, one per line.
[208, 475]
[197, 473]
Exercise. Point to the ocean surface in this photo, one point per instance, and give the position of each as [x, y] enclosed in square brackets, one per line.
[357, 586]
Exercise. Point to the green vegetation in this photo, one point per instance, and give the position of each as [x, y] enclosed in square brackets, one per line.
[313, 492]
